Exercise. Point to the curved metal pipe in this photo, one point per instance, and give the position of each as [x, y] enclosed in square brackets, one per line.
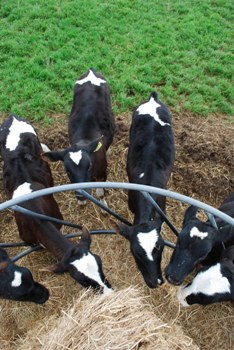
[118, 185]
[14, 245]
[44, 217]
[36, 247]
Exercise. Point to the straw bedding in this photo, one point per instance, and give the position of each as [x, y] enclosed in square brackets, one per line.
[133, 317]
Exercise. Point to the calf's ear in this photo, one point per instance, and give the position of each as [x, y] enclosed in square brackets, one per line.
[53, 156]
[58, 268]
[190, 213]
[122, 229]
[228, 254]
[95, 145]
[85, 237]
[3, 265]
[225, 233]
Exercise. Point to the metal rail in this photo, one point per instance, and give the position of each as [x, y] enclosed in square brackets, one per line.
[118, 185]
[81, 187]
[44, 217]
[36, 247]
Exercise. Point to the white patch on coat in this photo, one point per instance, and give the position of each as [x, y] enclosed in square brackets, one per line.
[16, 129]
[76, 156]
[147, 241]
[89, 267]
[25, 188]
[150, 108]
[207, 282]
[159, 281]
[17, 279]
[91, 77]
[45, 148]
[141, 175]
[196, 233]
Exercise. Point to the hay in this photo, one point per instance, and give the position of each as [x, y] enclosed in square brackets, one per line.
[203, 170]
[123, 320]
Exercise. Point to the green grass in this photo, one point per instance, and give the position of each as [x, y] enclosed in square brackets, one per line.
[183, 49]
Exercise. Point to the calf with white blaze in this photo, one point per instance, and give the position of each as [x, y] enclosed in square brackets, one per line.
[25, 171]
[212, 284]
[199, 242]
[17, 283]
[150, 161]
[91, 129]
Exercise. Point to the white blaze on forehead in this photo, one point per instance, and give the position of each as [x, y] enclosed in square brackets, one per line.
[89, 267]
[141, 175]
[147, 241]
[16, 129]
[76, 156]
[207, 282]
[150, 108]
[17, 279]
[22, 189]
[91, 77]
[196, 233]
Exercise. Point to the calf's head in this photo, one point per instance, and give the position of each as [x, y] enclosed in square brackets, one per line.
[146, 246]
[17, 283]
[194, 243]
[77, 161]
[212, 284]
[84, 266]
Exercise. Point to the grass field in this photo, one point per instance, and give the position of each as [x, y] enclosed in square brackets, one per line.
[182, 49]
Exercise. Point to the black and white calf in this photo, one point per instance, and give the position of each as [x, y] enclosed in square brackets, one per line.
[199, 242]
[17, 283]
[91, 129]
[212, 284]
[25, 171]
[151, 156]
[146, 245]
[150, 161]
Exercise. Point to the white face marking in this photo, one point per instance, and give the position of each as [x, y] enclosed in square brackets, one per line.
[207, 282]
[150, 108]
[16, 129]
[196, 233]
[89, 267]
[22, 189]
[17, 279]
[76, 156]
[141, 175]
[147, 241]
[92, 79]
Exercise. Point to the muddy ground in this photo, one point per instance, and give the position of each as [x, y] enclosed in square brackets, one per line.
[203, 170]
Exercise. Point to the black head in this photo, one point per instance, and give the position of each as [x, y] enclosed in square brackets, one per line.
[17, 283]
[77, 161]
[194, 243]
[146, 246]
[84, 266]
